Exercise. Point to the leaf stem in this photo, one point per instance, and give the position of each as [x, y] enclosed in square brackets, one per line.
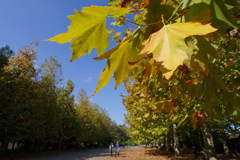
[175, 2]
[137, 23]
[181, 14]
[142, 24]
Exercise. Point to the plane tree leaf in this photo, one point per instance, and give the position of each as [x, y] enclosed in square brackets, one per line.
[166, 105]
[168, 45]
[88, 30]
[200, 48]
[216, 11]
[104, 78]
[118, 62]
[221, 13]
[157, 9]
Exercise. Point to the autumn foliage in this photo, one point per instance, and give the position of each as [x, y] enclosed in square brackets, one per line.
[179, 60]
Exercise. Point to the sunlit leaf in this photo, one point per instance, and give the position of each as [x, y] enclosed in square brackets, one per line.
[168, 45]
[88, 30]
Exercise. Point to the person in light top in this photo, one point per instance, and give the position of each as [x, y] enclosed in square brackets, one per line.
[111, 146]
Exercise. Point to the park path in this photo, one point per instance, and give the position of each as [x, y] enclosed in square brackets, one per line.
[91, 154]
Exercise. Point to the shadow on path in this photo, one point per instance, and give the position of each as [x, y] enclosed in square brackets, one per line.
[91, 154]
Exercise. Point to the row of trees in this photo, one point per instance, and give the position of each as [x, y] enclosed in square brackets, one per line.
[37, 111]
[155, 121]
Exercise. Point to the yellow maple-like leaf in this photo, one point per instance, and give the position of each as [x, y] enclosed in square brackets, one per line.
[88, 30]
[104, 78]
[168, 45]
[118, 62]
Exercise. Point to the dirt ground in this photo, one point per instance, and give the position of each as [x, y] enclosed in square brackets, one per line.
[128, 153]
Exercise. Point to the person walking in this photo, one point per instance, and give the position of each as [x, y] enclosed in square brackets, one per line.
[111, 146]
[117, 149]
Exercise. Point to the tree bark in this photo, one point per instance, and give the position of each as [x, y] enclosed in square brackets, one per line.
[176, 141]
[18, 145]
[67, 143]
[154, 145]
[167, 142]
[4, 144]
[13, 145]
[35, 148]
[225, 147]
[60, 144]
[200, 139]
[208, 141]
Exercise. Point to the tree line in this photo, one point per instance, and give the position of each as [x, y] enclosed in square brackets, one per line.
[173, 124]
[38, 111]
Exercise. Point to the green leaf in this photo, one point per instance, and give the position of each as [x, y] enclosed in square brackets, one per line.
[191, 93]
[200, 48]
[155, 12]
[236, 115]
[120, 62]
[88, 30]
[209, 108]
[221, 13]
[138, 37]
[198, 12]
[206, 88]
[204, 48]
[218, 82]
[216, 10]
[117, 36]
[185, 3]
[160, 105]
[229, 101]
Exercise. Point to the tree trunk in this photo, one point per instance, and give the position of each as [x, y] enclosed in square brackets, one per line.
[4, 144]
[60, 144]
[200, 139]
[225, 147]
[164, 141]
[35, 148]
[167, 142]
[67, 144]
[13, 145]
[154, 145]
[208, 141]
[176, 141]
[18, 145]
[159, 145]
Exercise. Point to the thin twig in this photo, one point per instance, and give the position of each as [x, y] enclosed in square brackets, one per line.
[141, 24]
[175, 2]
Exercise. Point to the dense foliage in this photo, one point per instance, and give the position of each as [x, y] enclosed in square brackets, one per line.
[38, 112]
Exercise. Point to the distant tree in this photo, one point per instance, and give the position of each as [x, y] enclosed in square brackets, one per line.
[66, 113]
[17, 85]
[50, 79]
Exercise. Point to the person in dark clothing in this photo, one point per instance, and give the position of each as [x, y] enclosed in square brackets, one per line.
[117, 149]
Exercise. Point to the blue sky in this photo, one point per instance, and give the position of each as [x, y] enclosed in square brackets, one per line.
[21, 21]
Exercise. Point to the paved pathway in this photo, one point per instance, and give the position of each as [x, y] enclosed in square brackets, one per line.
[91, 154]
